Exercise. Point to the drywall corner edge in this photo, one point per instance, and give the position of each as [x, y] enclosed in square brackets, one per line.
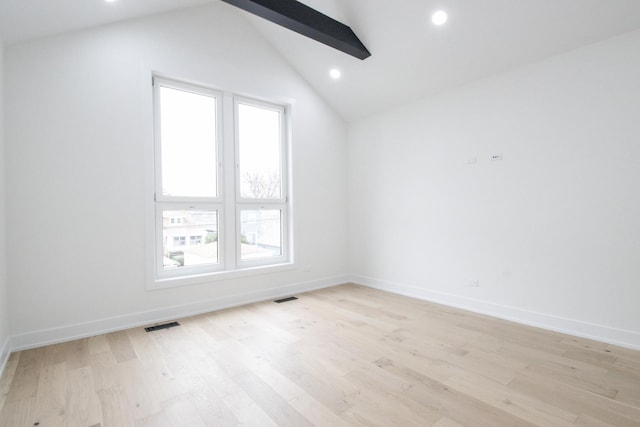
[601, 333]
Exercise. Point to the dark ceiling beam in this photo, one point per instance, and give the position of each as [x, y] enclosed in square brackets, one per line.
[309, 22]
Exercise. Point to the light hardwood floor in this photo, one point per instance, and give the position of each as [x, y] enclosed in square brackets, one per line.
[342, 356]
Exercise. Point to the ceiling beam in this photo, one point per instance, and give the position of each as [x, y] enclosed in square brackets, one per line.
[309, 22]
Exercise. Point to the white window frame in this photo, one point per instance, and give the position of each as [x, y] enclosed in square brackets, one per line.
[159, 82]
[283, 236]
[227, 202]
[161, 273]
[261, 203]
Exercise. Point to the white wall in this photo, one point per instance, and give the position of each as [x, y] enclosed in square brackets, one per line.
[78, 155]
[4, 305]
[552, 232]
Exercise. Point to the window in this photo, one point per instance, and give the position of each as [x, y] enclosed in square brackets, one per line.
[221, 185]
[261, 205]
[179, 241]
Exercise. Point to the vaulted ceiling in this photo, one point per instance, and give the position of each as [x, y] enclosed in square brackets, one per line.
[411, 58]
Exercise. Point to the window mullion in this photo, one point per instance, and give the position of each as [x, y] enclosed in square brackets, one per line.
[229, 181]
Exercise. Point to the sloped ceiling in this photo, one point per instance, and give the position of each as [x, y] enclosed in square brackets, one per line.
[28, 19]
[411, 58]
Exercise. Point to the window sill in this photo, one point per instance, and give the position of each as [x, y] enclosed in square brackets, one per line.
[198, 279]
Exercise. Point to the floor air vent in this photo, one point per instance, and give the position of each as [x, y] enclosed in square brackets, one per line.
[163, 326]
[285, 300]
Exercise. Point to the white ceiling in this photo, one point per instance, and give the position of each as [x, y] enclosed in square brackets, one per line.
[410, 59]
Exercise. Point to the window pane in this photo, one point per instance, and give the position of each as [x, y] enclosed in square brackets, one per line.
[188, 143]
[190, 238]
[261, 234]
[260, 152]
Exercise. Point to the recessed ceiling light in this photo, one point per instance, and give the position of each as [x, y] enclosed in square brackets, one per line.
[439, 17]
[335, 73]
[110, 1]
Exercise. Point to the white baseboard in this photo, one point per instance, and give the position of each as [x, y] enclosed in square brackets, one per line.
[102, 326]
[620, 337]
[624, 338]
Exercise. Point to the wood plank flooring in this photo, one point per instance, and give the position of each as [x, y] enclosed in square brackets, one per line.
[344, 356]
